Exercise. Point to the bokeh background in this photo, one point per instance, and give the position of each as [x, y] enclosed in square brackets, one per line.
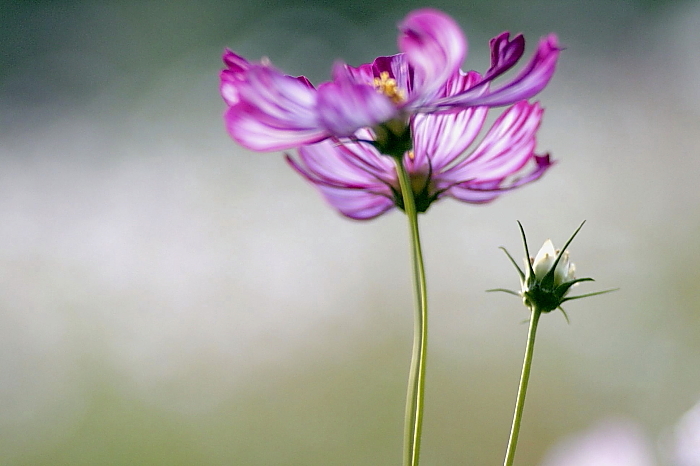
[167, 297]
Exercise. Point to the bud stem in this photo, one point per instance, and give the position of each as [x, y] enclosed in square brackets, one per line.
[522, 389]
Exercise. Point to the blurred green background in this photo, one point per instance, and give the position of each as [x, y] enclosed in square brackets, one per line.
[167, 297]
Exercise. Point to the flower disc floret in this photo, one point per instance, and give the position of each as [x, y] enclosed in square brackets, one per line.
[387, 85]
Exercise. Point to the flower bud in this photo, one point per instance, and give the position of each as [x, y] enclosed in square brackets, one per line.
[548, 277]
[544, 260]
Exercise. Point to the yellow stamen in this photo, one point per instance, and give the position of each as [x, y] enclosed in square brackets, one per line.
[388, 86]
[411, 155]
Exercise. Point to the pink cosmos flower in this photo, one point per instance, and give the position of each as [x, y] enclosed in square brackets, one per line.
[361, 183]
[268, 110]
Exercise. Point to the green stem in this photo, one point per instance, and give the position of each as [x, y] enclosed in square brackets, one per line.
[416, 380]
[522, 389]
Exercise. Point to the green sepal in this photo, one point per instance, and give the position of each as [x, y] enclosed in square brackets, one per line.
[566, 316]
[527, 253]
[512, 261]
[393, 138]
[515, 293]
[562, 289]
[541, 298]
[595, 293]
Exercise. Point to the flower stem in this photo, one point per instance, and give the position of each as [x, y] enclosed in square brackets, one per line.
[416, 379]
[522, 389]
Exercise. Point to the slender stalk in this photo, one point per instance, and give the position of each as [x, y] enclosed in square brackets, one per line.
[416, 380]
[522, 389]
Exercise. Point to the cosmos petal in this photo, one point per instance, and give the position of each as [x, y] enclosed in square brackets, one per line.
[344, 106]
[505, 149]
[356, 204]
[268, 110]
[353, 192]
[443, 137]
[504, 53]
[434, 47]
[529, 82]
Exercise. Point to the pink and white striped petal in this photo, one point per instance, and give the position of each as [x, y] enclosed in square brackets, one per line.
[443, 137]
[505, 149]
[435, 48]
[529, 82]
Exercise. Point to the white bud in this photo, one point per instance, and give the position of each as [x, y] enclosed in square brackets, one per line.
[544, 261]
[546, 281]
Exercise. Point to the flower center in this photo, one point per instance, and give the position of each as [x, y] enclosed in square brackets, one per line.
[387, 85]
